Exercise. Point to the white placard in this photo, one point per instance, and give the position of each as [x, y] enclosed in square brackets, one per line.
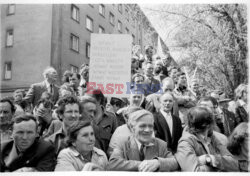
[110, 63]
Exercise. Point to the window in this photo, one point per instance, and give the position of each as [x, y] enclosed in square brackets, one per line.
[89, 24]
[101, 30]
[75, 13]
[9, 38]
[111, 18]
[11, 9]
[127, 31]
[74, 42]
[133, 38]
[73, 69]
[7, 70]
[102, 10]
[87, 50]
[120, 8]
[120, 26]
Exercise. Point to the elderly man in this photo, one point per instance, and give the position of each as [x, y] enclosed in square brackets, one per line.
[25, 152]
[35, 92]
[153, 100]
[167, 125]
[7, 111]
[142, 152]
[69, 110]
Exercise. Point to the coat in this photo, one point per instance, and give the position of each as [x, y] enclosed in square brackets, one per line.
[36, 90]
[126, 157]
[190, 147]
[162, 130]
[40, 155]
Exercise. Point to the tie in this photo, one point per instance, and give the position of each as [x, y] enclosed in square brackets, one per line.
[51, 88]
[141, 152]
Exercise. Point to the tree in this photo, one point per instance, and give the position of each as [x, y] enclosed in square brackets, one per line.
[214, 39]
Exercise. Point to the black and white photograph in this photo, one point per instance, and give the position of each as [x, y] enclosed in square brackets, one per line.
[124, 87]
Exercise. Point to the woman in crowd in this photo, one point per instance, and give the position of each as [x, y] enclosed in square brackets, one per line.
[241, 111]
[238, 145]
[81, 155]
[198, 149]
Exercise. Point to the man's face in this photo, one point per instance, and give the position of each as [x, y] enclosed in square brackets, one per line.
[134, 63]
[135, 99]
[90, 109]
[43, 113]
[71, 114]
[182, 81]
[173, 75]
[166, 61]
[143, 129]
[149, 69]
[5, 112]
[24, 134]
[138, 80]
[168, 86]
[74, 81]
[18, 95]
[149, 52]
[195, 87]
[167, 102]
[52, 76]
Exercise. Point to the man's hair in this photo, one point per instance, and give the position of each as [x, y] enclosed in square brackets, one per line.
[8, 100]
[137, 115]
[47, 71]
[87, 99]
[237, 138]
[172, 68]
[167, 79]
[24, 117]
[46, 103]
[199, 119]
[76, 74]
[137, 75]
[74, 130]
[97, 94]
[69, 99]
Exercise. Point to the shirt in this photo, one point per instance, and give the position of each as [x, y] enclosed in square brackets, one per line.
[169, 120]
[49, 87]
[70, 159]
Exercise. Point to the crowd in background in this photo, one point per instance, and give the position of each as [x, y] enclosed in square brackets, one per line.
[167, 123]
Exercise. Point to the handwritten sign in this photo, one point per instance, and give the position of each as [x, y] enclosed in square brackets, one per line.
[110, 63]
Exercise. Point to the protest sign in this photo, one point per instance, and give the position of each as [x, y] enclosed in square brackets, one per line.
[110, 63]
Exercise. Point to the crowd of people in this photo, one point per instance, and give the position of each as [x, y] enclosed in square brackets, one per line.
[167, 124]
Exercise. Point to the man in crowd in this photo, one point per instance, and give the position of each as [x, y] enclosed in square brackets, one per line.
[167, 125]
[184, 97]
[152, 85]
[105, 120]
[158, 72]
[43, 114]
[69, 110]
[7, 111]
[36, 90]
[153, 100]
[25, 152]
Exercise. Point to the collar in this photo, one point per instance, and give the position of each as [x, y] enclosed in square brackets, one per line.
[146, 145]
[77, 154]
[165, 114]
[47, 84]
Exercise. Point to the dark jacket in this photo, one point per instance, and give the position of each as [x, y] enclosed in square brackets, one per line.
[162, 130]
[40, 155]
